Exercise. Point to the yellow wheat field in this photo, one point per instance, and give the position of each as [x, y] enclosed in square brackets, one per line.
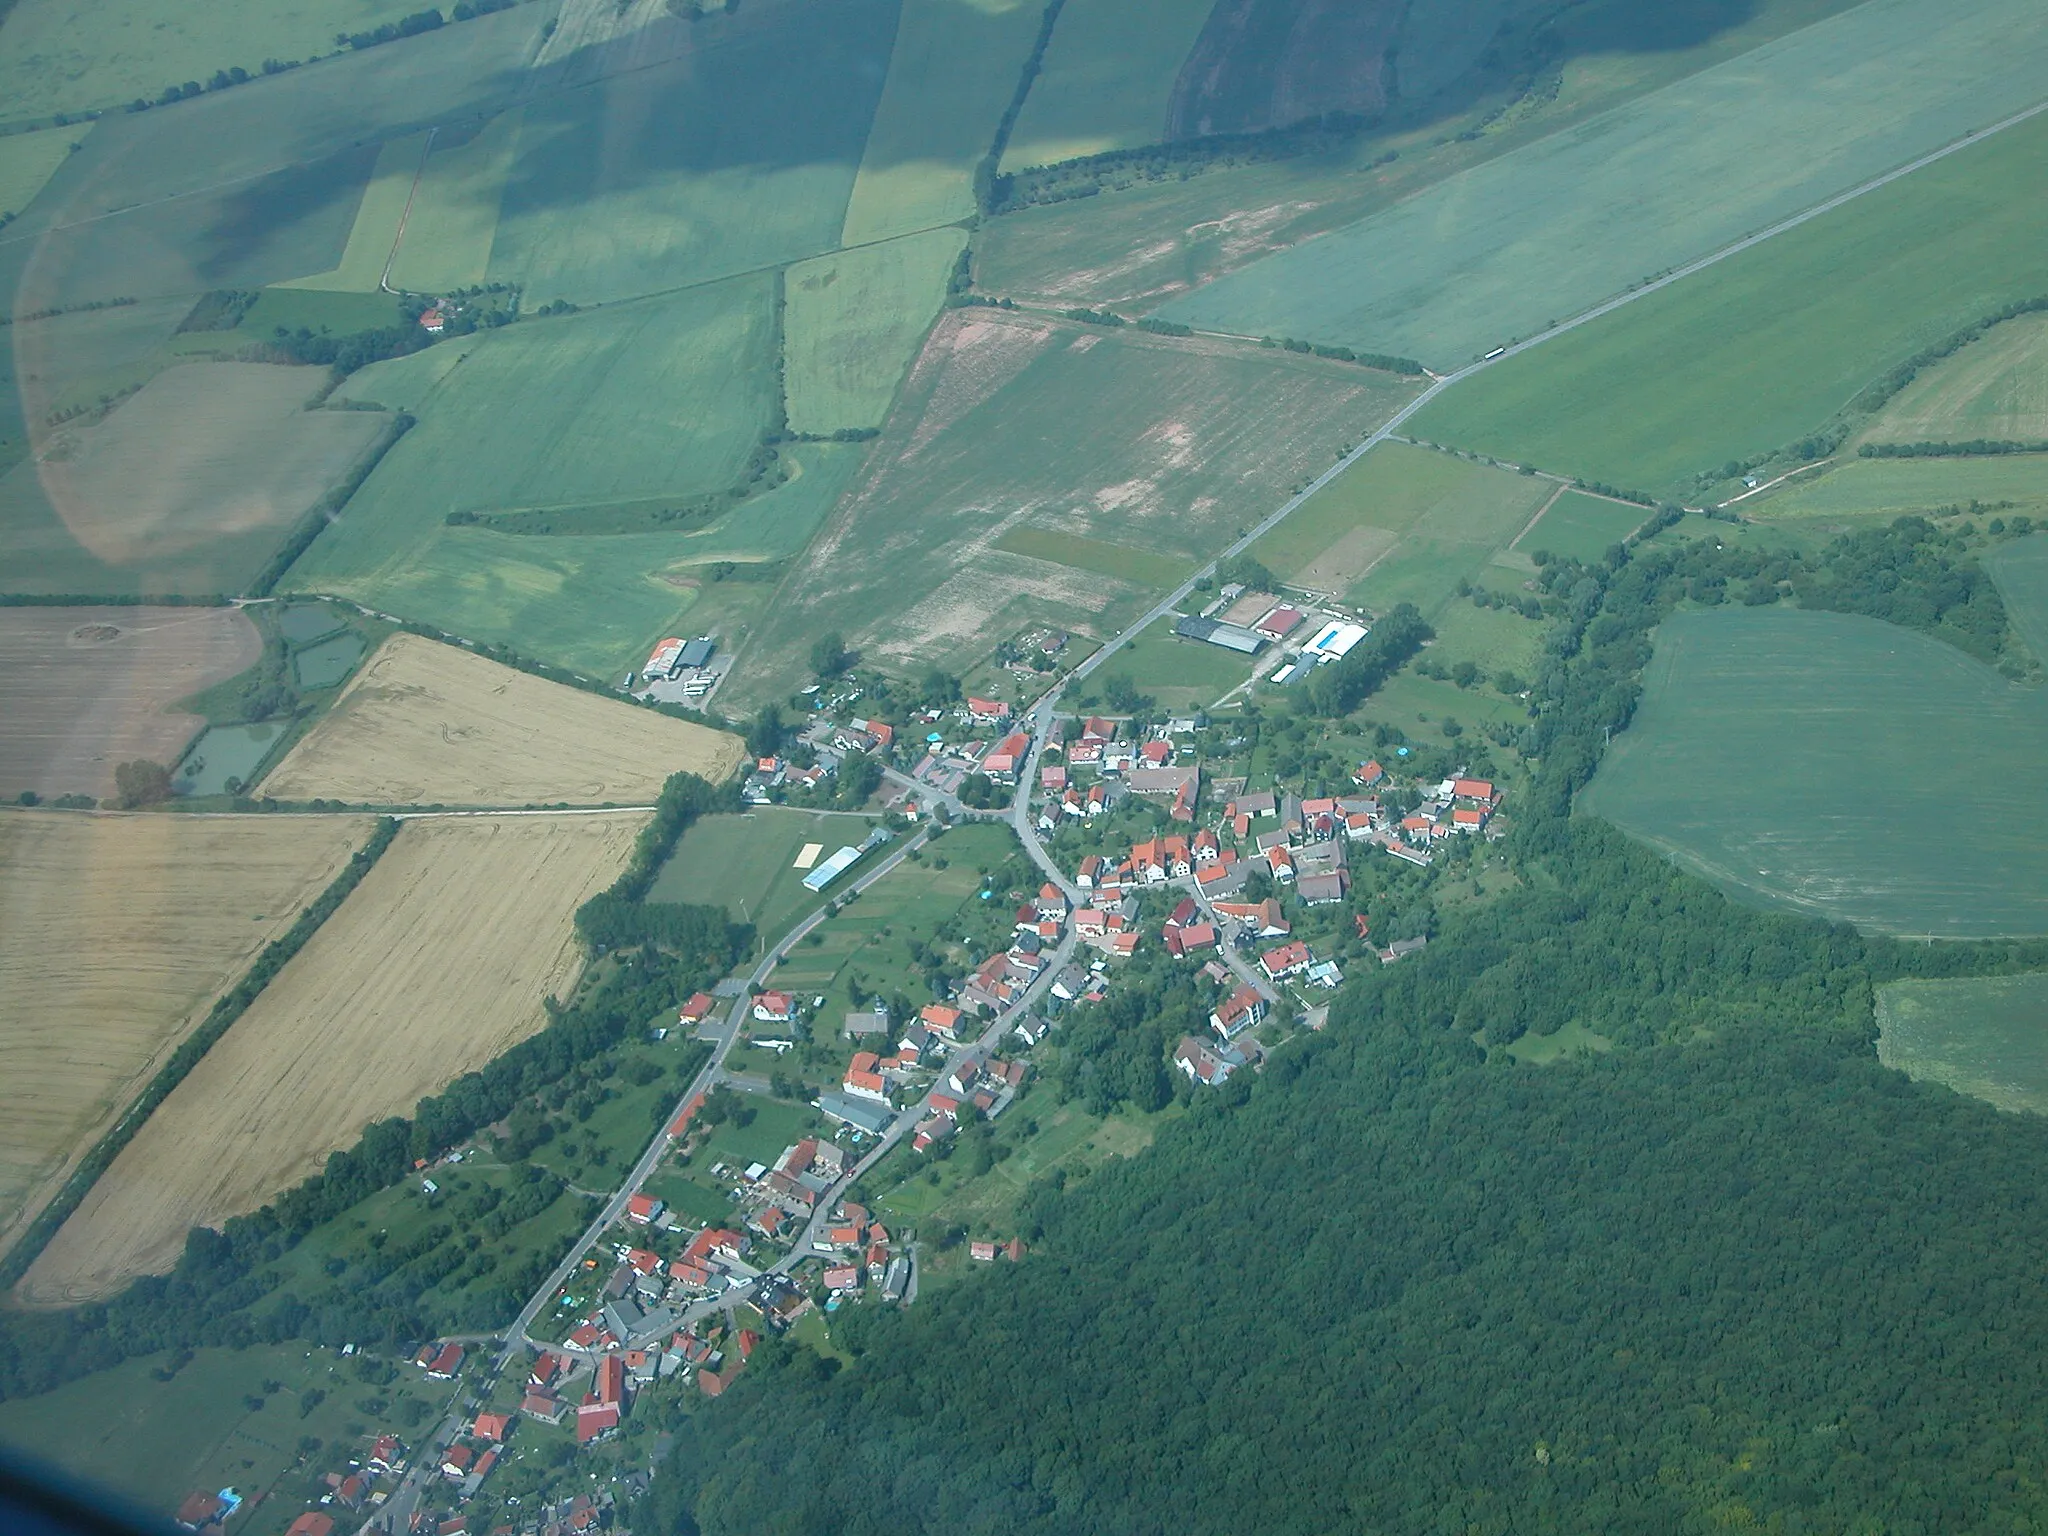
[435, 964]
[117, 933]
[430, 724]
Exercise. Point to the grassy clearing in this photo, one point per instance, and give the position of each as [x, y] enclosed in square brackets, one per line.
[1178, 673]
[747, 863]
[1583, 527]
[423, 723]
[1420, 705]
[447, 238]
[1677, 174]
[187, 487]
[155, 1441]
[1139, 566]
[1574, 1039]
[1893, 487]
[29, 160]
[373, 237]
[116, 936]
[1838, 766]
[1994, 388]
[1984, 1036]
[1161, 447]
[951, 73]
[1751, 354]
[1106, 80]
[1491, 638]
[461, 930]
[852, 323]
[735, 155]
[83, 689]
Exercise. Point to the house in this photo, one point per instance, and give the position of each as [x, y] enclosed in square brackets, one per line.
[455, 1461]
[1052, 778]
[594, 1420]
[311, 1523]
[1069, 984]
[1287, 960]
[1368, 775]
[965, 1072]
[1084, 754]
[1186, 941]
[863, 1114]
[988, 709]
[432, 321]
[982, 1252]
[644, 1209]
[1052, 901]
[387, 1454]
[1473, 789]
[697, 1009]
[864, 1079]
[442, 1364]
[843, 1277]
[493, 1427]
[1156, 754]
[1008, 757]
[544, 1406]
[940, 1020]
[1238, 1012]
[1261, 803]
[1089, 872]
[775, 1008]
[1281, 858]
[1204, 1063]
[1400, 949]
[1184, 912]
[1468, 818]
[611, 1380]
[1207, 848]
[1321, 890]
[201, 1509]
[1095, 728]
[482, 1470]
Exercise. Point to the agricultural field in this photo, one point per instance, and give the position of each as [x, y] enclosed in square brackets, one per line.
[1140, 566]
[436, 963]
[1888, 488]
[1645, 187]
[153, 1441]
[1580, 526]
[423, 723]
[747, 863]
[736, 152]
[373, 237]
[1403, 525]
[1774, 341]
[1011, 423]
[1996, 387]
[85, 689]
[2021, 571]
[852, 324]
[1986, 1036]
[116, 936]
[1840, 767]
[952, 70]
[187, 487]
[28, 160]
[447, 238]
[1107, 79]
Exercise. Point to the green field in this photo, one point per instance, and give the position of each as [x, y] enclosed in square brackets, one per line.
[1402, 525]
[1749, 355]
[1891, 487]
[852, 323]
[746, 863]
[736, 155]
[156, 1441]
[1106, 80]
[1420, 705]
[1491, 638]
[448, 235]
[1839, 766]
[1583, 527]
[373, 237]
[28, 160]
[1178, 673]
[1139, 566]
[2021, 571]
[1509, 247]
[1011, 423]
[951, 72]
[1996, 387]
[1985, 1036]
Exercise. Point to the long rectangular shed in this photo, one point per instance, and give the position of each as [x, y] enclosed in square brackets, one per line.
[1230, 636]
[831, 869]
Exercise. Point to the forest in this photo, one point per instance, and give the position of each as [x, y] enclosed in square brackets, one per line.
[1732, 1274]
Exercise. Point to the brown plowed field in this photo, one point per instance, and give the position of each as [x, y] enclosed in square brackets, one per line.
[116, 935]
[82, 689]
[435, 964]
[430, 724]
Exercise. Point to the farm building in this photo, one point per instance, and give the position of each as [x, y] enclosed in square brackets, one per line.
[1280, 623]
[1334, 641]
[831, 869]
[1229, 636]
[862, 1116]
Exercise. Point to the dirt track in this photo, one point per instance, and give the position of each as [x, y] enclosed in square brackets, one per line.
[438, 962]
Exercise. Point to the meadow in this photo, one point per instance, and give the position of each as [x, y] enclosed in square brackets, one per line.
[1404, 524]
[1177, 673]
[1996, 387]
[83, 689]
[29, 160]
[1506, 248]
[1837, 766]
[436, 963]
[424, 723]
[1493, 639]
[1891, 488]
[1986, 1036]
[1580, 526]
[447, 238]
[852, 323]
[1746, 357]
[1010, 423]
[116, 936]
[1106, 80]
[952, 69]
[737, 152]
[189, 486]
[747, 863]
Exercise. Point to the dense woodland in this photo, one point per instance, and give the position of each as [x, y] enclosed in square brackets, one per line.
[1734, 1273]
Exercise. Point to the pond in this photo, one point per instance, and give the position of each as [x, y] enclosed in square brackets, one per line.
[225, 752]
[301, 623]
[325, 664]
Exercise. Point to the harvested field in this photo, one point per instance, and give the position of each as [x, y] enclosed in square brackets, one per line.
[27, 160]
[422, 723]
[1550, 229]
[1994, 388]
[1018, 430]
[116, 936]
[437, 963]
[188, 487]
[83, 689]
[852, 324]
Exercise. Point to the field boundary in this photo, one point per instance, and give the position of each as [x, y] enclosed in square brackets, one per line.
[237, 1001]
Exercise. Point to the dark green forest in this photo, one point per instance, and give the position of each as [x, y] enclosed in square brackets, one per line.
[1733, 1275]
